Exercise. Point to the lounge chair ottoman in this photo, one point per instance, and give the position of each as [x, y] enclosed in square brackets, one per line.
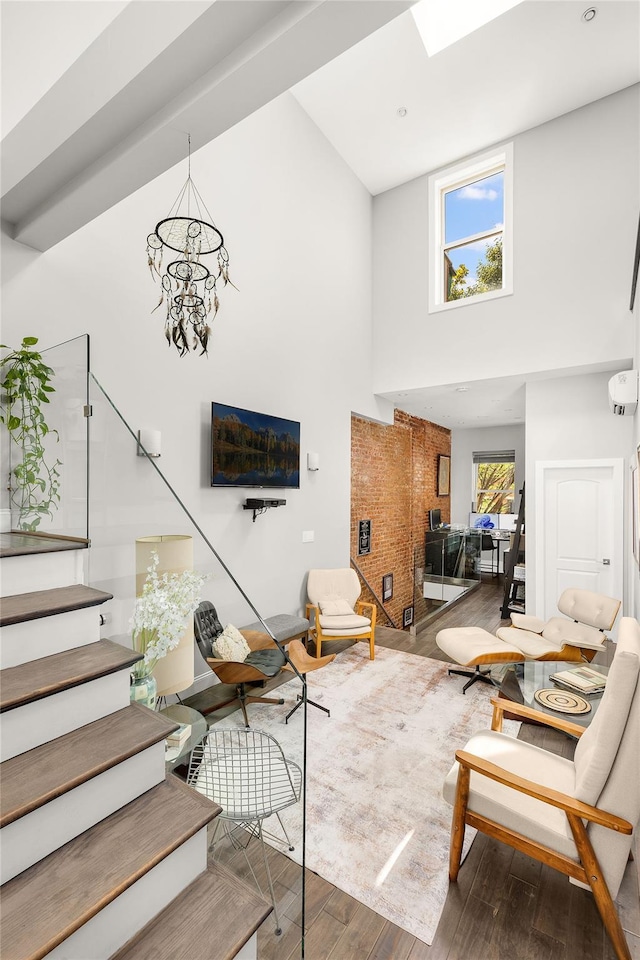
[474, 647]
[283, 626]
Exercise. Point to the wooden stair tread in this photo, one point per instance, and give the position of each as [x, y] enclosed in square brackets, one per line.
[45, 904]
[210, 920]
[42, 678]
[48, 603]
[18, 544]
[52, 769]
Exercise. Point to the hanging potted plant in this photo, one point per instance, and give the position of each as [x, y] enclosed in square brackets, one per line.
[24, 389]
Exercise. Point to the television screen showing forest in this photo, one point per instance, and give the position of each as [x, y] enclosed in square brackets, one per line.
[251, 449]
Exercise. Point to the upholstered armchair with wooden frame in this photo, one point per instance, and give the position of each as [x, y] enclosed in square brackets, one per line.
[334, 610]
[575, 816]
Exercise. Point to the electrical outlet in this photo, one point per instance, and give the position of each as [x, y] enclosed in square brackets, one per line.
[308, 536]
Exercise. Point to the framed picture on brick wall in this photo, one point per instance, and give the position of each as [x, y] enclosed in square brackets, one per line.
[444, 471]
[407, 616]
[364, 537]
[387, 587]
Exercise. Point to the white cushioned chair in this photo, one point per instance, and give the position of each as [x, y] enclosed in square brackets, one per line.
[335, 611]
[578, 816]
[575, 637]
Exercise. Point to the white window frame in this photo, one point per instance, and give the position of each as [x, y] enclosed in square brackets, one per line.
[451, 178]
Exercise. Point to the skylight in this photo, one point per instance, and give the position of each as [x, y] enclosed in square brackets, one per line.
[443, 22]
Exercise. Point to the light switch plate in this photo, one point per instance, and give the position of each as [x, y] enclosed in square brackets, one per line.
[308, 536]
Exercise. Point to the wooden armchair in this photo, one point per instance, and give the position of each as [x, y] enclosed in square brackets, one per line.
[335, 611]
[575, 816]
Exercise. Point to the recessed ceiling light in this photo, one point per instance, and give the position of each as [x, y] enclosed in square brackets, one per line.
[589, 14]
[402, 111]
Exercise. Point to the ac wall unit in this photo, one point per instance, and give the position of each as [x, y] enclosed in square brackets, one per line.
[623, 393]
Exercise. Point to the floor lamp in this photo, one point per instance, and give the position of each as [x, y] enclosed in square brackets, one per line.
[175, 672]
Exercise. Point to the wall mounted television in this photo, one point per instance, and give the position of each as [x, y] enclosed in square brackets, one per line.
[250, 449]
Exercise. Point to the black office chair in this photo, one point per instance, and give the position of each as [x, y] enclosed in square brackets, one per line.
[486, 544]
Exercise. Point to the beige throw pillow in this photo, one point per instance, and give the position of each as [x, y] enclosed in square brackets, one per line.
[335, 608]
[231, 645]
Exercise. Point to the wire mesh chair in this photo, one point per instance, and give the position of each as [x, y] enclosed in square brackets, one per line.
[246, 773]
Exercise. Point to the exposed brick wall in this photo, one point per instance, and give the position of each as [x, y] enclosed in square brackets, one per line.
[393, 484]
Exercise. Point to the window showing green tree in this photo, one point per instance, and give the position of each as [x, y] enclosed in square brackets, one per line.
[488, 275]
[495, 487]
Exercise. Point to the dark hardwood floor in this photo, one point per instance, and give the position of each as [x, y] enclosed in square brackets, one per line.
[505, 906]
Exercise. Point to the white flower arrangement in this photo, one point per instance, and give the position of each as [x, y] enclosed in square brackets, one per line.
[162, 612]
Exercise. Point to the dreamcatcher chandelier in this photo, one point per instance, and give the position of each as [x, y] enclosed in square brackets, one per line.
[189, 288]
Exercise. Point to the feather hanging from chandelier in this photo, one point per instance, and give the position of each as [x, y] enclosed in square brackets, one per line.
[189, 288]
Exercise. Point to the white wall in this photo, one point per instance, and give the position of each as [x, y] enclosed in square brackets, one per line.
[576, 199]
[297, 224]
[568, 418]
[463, 445]
[633, 581]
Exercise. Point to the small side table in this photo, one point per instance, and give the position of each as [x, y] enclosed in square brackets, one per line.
[177, 756]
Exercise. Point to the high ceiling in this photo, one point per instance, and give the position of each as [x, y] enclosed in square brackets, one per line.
[537, 61]
[82, 130]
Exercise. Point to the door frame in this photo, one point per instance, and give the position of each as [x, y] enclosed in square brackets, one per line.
[617, 464]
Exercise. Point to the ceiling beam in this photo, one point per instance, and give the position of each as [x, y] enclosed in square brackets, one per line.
[114, 122]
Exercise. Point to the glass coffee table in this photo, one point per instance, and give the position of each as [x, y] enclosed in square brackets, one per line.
[522, 680]
[177, 756]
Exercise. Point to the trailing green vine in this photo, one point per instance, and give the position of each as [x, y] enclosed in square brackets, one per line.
[25, 385]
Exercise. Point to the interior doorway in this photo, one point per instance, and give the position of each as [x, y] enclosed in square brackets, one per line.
[578, 529]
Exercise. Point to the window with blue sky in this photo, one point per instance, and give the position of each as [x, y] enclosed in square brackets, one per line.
[470, 243]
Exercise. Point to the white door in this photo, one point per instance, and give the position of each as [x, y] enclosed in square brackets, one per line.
[579, 529]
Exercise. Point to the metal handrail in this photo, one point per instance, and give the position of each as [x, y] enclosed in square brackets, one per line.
[373, 593]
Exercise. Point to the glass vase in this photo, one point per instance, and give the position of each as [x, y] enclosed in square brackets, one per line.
[144, 690]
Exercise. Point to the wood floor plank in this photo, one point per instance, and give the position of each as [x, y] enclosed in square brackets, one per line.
[322, 936]
[525, 868]
[586, 941]
[420, 951]
[392, 944]
[492, 877]
[341, 906]
[457, 899]
[514, 916]
[359, 936]
[474, 933]
[552, 908]
[272, 946]
[318, 892]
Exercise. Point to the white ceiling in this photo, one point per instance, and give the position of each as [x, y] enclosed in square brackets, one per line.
[537, 61]
[81, 130]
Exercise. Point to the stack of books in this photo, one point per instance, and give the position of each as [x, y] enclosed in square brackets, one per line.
[584, 680]
[179, 736]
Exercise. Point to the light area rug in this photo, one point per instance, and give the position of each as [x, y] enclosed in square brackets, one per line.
[377, 825]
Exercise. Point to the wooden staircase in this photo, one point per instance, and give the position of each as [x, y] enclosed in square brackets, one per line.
[102, 854]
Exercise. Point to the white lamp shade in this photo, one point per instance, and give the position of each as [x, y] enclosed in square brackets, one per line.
[174, 672]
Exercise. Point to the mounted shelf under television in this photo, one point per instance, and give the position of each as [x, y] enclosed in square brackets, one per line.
[259, 506]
